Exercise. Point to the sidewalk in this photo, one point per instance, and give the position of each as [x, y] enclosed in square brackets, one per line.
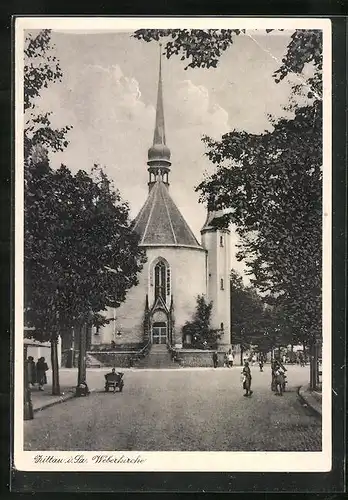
[313, 399]
[45, 399]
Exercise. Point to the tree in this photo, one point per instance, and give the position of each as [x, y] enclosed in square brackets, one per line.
[198, 329]
[203, 47]
[81, 253]
[253, 322]
[246, 313]
[271, 182]
[41, 68]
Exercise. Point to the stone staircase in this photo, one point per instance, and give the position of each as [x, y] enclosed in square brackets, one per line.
[157, 357]
[93, 362]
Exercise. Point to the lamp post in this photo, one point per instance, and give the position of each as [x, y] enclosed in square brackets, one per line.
[70, 356]
[241, 345]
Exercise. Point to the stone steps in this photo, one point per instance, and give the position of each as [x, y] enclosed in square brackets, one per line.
[157, 357]
[92, 362]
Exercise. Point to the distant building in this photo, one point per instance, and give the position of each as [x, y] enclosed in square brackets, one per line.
[178, 267]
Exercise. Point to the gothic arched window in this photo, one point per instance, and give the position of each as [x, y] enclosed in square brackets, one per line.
[160, 280]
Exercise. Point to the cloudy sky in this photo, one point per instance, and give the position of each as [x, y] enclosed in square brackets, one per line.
[108, 94]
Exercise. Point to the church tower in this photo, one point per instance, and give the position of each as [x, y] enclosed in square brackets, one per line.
[156, 309]
[217, 242]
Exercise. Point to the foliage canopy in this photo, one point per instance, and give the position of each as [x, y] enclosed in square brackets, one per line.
[270, 184]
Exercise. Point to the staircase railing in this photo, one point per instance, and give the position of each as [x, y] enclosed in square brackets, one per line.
[143, 351]
[173, 354]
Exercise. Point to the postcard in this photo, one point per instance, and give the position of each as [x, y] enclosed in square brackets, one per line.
[172, 244]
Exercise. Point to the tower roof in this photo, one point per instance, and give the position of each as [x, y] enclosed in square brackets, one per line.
[160, 222]
[159, 151]
[213, 216]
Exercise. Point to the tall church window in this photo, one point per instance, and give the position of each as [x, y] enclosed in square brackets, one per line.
[221, 241]
[160, 280]
[221, 283]
[168, 281]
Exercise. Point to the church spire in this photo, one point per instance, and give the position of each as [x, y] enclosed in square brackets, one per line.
[159, 153]
[159, 136]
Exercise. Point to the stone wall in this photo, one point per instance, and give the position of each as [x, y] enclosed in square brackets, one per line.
[197, 357]
[113, 358]
[106, 358]
[119, 347]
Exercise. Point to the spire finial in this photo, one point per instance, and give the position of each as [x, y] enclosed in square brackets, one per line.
[159, 136]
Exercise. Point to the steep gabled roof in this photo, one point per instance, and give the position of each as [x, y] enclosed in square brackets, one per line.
[160, 222]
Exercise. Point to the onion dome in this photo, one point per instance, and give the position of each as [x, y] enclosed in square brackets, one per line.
[158, 152]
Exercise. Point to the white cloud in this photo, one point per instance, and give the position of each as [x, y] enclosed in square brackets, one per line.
[192, 107]
[110, 122]
[113, 126]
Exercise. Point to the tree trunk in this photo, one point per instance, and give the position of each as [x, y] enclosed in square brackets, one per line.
[313, 367]
[81, 377]
[55, 366]
[241, 355]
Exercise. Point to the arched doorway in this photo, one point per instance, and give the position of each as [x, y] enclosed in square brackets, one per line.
[159, 331]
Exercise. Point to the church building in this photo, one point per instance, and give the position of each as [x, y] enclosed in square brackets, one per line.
[178, 267]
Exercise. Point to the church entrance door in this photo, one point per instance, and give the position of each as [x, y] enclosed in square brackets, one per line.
[159, 333]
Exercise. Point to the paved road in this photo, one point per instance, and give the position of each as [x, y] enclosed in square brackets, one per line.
[182, 409]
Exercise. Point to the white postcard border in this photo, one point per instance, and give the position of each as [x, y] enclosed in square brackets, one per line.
[173, 461]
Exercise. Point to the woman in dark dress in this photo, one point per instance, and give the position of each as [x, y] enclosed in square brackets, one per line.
[41, 369]
[215, 359]
[31, 370]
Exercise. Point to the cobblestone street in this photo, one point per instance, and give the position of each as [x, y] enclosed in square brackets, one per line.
[183, 409]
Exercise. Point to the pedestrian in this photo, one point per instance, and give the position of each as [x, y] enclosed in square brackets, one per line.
[247, 379]
[31, 371]
[230, 358]
[253, 359]
[41, 369]
[215, 359]
[225, 360]
[278, 378]
[261, 362]
[273, 369]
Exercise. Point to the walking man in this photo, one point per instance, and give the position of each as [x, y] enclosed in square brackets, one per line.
[247, 379]
[261, 362]
[215, 359]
